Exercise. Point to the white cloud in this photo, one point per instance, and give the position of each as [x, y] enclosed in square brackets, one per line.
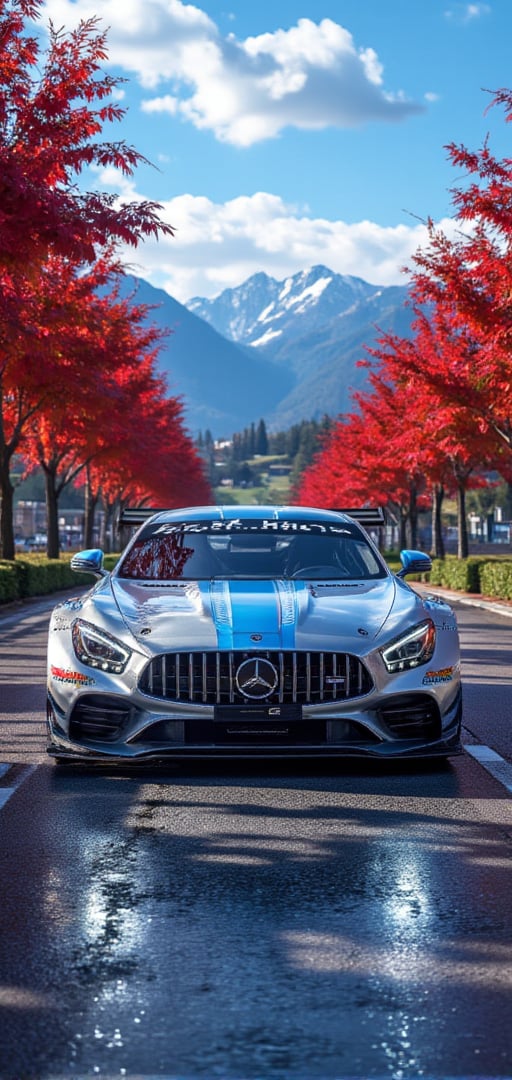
[219, 245]
[165, 104]
[311, 76]
[466, 13]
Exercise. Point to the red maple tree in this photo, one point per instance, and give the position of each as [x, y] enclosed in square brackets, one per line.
[160, 467]
[105, 350]
[93, 340]
[371, 457]
[53, 108]
[467, 283]
[54, 104]
[405, 447]
[456, 372]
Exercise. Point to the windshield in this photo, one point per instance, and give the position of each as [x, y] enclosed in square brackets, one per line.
[250, 549]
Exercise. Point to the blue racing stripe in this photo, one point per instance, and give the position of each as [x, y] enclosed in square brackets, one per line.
[222, 613]
[252, 614]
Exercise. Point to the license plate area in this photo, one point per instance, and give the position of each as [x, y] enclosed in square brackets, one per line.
[257, 714]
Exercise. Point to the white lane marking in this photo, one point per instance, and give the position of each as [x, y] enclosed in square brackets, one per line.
[6, 792]
[493, 762]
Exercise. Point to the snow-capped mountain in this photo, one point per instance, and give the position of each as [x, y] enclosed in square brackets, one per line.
[223, 386]
[264, 312]
[315, 325]
[282, 351]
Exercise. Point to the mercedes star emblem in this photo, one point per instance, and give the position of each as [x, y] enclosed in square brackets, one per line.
[256, 679]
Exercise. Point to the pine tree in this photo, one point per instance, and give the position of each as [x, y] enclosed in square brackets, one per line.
[261, 439]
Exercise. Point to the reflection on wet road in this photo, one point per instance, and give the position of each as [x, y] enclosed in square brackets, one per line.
[240, 924]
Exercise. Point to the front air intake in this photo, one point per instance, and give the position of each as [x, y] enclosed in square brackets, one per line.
[98, 716]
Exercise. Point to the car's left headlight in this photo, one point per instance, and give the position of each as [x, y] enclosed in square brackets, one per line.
[410, 649]
[98, 649]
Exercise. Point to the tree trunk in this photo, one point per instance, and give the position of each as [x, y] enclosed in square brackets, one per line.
[8, 547]
[403, 530]
[52, 515]
[413, 516]
[508, 501]
[438, 549]
[103, 529]
[463, 543]
[91, 502]
[106, 524]
[7, 514]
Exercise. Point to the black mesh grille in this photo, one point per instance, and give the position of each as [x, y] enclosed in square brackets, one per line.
[209, 678]
[412, 716]
[98, 717]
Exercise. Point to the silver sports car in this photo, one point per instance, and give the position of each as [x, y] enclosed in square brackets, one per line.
[252, 632]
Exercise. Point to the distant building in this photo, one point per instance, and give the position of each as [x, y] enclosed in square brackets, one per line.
[29, 518]
[30, 522]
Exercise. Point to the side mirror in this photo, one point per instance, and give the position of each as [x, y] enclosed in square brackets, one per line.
[414, 562]
[89, 562]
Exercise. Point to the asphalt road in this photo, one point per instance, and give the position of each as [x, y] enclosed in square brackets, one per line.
[252, 921]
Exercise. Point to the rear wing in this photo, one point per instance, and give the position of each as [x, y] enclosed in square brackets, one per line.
[365, 515]
[136, 515]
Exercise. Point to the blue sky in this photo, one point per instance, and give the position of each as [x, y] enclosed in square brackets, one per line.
[294, 132]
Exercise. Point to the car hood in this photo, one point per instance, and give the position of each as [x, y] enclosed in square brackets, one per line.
[253, 614]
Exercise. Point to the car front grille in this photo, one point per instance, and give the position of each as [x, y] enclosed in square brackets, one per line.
[210, 678]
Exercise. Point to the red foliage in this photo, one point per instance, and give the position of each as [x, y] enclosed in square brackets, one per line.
[56, 334]
[53, 108]
[84, 390]
[441, 405]
[406, 438]
[113, 415]
[468, 280]
[370, 457]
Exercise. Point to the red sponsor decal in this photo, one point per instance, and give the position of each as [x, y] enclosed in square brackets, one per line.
[67, 676]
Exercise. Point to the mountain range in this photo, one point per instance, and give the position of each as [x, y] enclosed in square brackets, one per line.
[282, 351]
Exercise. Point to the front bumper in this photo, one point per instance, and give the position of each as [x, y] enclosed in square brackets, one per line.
[409, 725]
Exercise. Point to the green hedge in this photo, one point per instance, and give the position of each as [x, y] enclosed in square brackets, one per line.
[459, 574]
[8, 582]
[477, 574]
[35, 575]
[485, 574]
[496, 579]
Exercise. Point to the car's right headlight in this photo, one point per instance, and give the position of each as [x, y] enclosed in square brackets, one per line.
[98, 649]
[409, 650]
